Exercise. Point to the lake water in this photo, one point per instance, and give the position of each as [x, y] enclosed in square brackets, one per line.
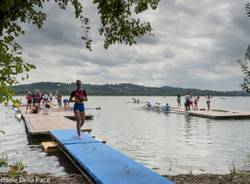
[168, 143]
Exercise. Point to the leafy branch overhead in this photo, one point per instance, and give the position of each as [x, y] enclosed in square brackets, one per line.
[117, 17]
[118, 25]
[244, 63]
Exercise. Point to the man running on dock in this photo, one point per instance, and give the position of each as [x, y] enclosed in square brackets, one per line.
[79, 96]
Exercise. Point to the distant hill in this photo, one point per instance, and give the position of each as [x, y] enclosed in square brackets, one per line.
[120, 90]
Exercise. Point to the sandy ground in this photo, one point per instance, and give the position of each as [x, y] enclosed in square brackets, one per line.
[210, 179]
[42, 179]
[78, 179]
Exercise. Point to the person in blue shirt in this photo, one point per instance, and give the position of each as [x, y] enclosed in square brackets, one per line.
[167, 107]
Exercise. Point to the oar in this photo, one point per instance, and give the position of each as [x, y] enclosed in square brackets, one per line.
[95, 108]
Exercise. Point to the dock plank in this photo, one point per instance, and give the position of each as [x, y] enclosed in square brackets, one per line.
[42, 124]
[49, 146]
[103, 163]
[70, 136]
[214, 113]
[109, 166]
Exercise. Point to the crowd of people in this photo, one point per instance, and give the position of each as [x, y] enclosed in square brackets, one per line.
[42, 101]
[158, 107]
[191, 103]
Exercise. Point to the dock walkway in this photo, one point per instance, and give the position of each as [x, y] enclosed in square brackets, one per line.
[38, 124]
[104, 164]
[214, 113]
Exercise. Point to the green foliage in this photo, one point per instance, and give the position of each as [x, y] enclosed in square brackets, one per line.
[3, 159]
[16, 102]
[11, 65]
[244, 63]
[243, 173]
[232, 169]
[118, 24]
[246, 166]
[248, 9]
[118, 21]
[17, 169]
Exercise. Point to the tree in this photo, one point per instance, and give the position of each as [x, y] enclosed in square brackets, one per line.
[244, 63]
[118, 25]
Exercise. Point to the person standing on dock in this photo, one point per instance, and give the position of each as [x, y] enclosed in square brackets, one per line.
[208, 99]
[187, 102]
[179, 100]
[191, 103]
[59, 100]
[29, 101]
[196, 100]
[79, 96]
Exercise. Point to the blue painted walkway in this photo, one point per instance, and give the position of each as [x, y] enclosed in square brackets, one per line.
[104, 164]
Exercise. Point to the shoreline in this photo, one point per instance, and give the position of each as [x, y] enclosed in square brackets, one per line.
[239, 178]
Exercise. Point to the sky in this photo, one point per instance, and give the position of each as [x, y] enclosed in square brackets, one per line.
[195, 45]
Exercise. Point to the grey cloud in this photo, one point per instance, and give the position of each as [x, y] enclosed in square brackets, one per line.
[196, 44]
[73, 62]
[54, 33]
[151, 40]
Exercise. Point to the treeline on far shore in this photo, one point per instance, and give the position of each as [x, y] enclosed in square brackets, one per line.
[125, 89]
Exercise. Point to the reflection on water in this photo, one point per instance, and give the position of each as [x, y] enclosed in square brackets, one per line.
[169, 143]
[20, 147]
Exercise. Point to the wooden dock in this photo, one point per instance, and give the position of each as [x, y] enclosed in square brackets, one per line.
[214, 113]
[40, 124]
[99, 163]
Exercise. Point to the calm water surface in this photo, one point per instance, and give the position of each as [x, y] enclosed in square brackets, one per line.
[168, 143]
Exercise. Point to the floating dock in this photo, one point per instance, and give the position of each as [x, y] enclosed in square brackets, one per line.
[214, 113]
[99, 163]
[102, 163]
[40, 124]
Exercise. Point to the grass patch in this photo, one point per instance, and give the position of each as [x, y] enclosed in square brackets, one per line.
[3, 159]
[1, 131]
[17, 169]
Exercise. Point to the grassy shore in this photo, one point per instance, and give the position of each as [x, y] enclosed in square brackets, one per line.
[78, 179]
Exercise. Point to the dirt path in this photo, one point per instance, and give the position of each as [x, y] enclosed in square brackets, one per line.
[42, 179]
[210, 179]
[78, 179]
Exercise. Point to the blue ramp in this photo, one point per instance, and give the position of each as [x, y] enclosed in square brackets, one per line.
[104, 164]
[109, 166]
[69, 136]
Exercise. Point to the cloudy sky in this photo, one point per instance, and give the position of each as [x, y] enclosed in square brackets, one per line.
[195, 45]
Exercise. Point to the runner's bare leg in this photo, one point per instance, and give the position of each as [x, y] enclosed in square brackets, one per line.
[78, 122]
[82, 118]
